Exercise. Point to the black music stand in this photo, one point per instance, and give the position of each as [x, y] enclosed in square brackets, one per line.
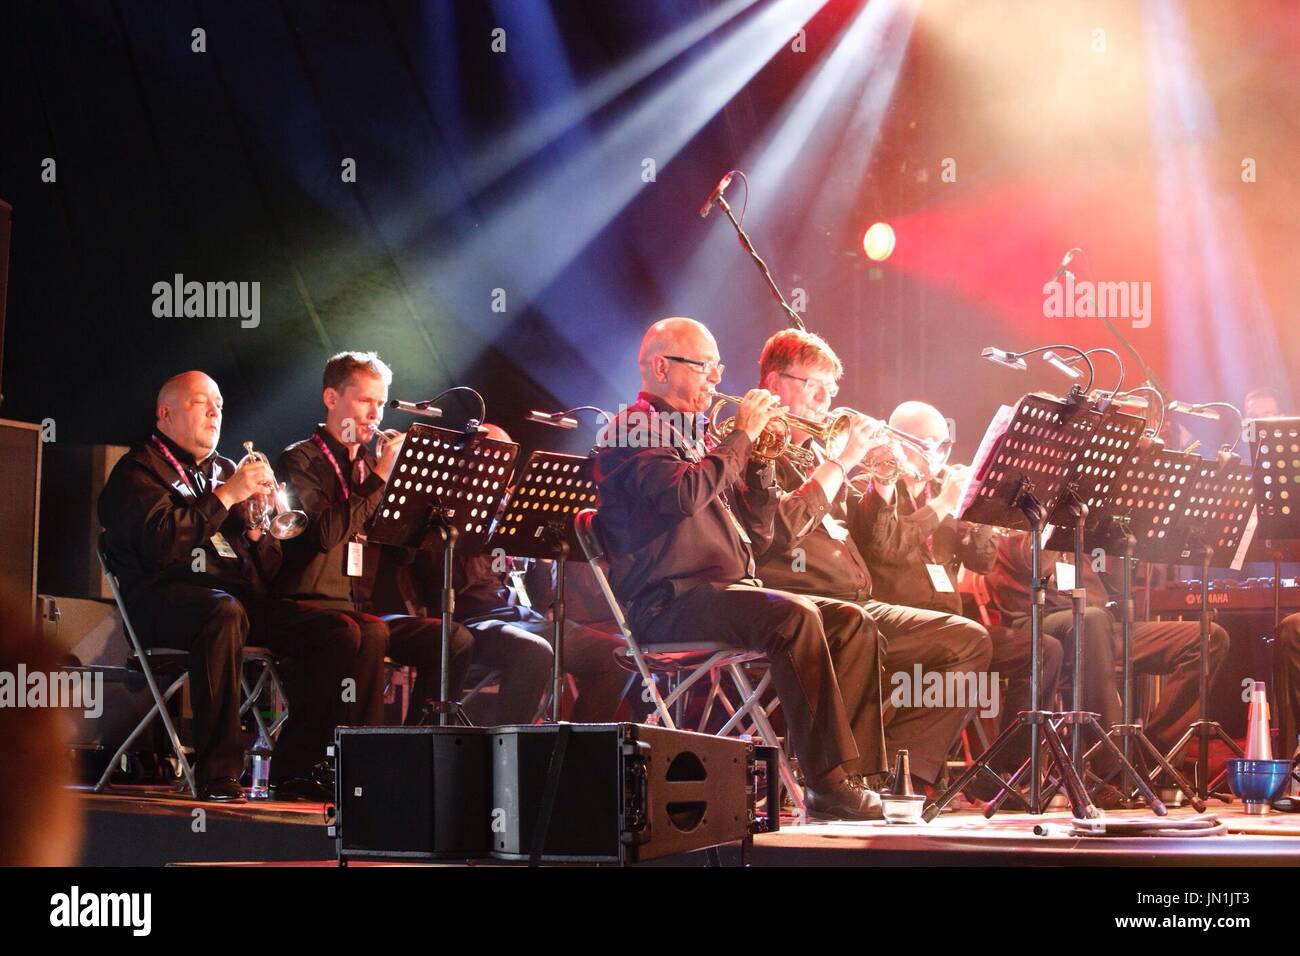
[1211, 521]
[1083, 508]
[538, 523]
[1021, 479]
[1275, 452]
[445, 486]
[1144, 497]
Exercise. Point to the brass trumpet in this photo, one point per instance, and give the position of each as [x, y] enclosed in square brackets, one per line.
[831, 431]
[270, 510]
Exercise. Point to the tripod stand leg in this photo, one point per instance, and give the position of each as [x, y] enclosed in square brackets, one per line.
[1168, 768]
[1080, 804]
[983, 763]
[1127, 769]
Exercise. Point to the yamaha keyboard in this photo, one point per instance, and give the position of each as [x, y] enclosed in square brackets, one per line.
[1254, 594]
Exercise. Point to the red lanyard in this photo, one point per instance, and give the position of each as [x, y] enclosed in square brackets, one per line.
[167, 453]
[320, 443]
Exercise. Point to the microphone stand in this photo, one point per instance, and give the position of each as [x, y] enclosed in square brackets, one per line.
[791, 314]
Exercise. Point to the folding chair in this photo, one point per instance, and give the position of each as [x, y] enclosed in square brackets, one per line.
[687, 664]
[268, 678]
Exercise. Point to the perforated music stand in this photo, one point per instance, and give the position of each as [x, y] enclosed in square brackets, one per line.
[445, 485]
[1082, 509]
[1143, 498]
[538, 523]
[1214, 523]
[1018, 483]
[1275, 451]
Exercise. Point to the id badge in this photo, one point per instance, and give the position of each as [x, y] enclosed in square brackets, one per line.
[515, 581]
[939, 578]
[222, 546]
[356, 558]
[1064, 576]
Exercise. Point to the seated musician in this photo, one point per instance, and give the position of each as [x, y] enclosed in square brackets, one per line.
[513, 637]
[682, 564]
[339, 481]
[811, 552]
[194, 576]
[915, 547]
[1169, 648]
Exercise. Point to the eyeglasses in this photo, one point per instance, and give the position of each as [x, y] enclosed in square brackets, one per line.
[810, 385]
[708, 368]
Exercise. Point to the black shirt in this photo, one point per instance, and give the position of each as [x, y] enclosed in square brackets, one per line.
[803, 556]
[1008, 582]
[665, 510]
[315, 562]
[900, 538]
[155, 521]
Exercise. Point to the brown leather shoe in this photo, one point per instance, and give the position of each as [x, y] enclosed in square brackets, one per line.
[847, 799]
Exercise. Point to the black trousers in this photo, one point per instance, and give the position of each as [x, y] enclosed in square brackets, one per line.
[520, 651]
[825, 659]
[411, 640]
[1171, 649]
[941, 644]
[1011, 660]
[213, 626]
[1286, 684]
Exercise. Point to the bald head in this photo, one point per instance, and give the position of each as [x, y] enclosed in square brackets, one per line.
[921, 420]
[189, 412]
[686, 379]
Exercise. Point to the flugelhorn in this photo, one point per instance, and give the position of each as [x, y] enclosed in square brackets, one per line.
[270, 510]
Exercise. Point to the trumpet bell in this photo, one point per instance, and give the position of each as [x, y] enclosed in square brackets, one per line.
[288, 524]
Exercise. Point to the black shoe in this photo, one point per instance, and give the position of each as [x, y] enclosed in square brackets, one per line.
[221, 790]
[302, 790]
[846, 799]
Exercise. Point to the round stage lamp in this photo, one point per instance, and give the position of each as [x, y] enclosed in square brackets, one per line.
[878, 242]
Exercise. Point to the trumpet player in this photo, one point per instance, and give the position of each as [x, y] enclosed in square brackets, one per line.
[682, 563]
[338, 481]
[915, 546]
[811, 550]
[194, 572]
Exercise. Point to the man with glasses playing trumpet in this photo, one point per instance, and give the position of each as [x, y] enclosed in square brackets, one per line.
[812, 552]
[682, 563]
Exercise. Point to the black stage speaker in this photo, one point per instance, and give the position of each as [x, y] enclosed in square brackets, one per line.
[603, 793]
[412, 792]
[20, 492]
[622, 793]
[73, 477]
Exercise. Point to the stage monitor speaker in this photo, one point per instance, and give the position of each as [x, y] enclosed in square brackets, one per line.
[412, 792]
[74, 475]
[20, 491]
[623, 793]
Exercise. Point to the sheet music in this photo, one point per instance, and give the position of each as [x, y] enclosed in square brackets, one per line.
[1001, 419]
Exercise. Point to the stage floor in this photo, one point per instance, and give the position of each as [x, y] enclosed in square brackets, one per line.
[141, 827]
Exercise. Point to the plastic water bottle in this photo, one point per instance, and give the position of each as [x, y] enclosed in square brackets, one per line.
[259, 769]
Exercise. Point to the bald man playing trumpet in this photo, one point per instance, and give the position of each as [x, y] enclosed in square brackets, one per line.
[195, 572]
[683, 564]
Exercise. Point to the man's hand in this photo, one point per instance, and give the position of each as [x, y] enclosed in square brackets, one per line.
[953, 489]
[253, 476]
[390, 446]
[865, 434]
[757, 409]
